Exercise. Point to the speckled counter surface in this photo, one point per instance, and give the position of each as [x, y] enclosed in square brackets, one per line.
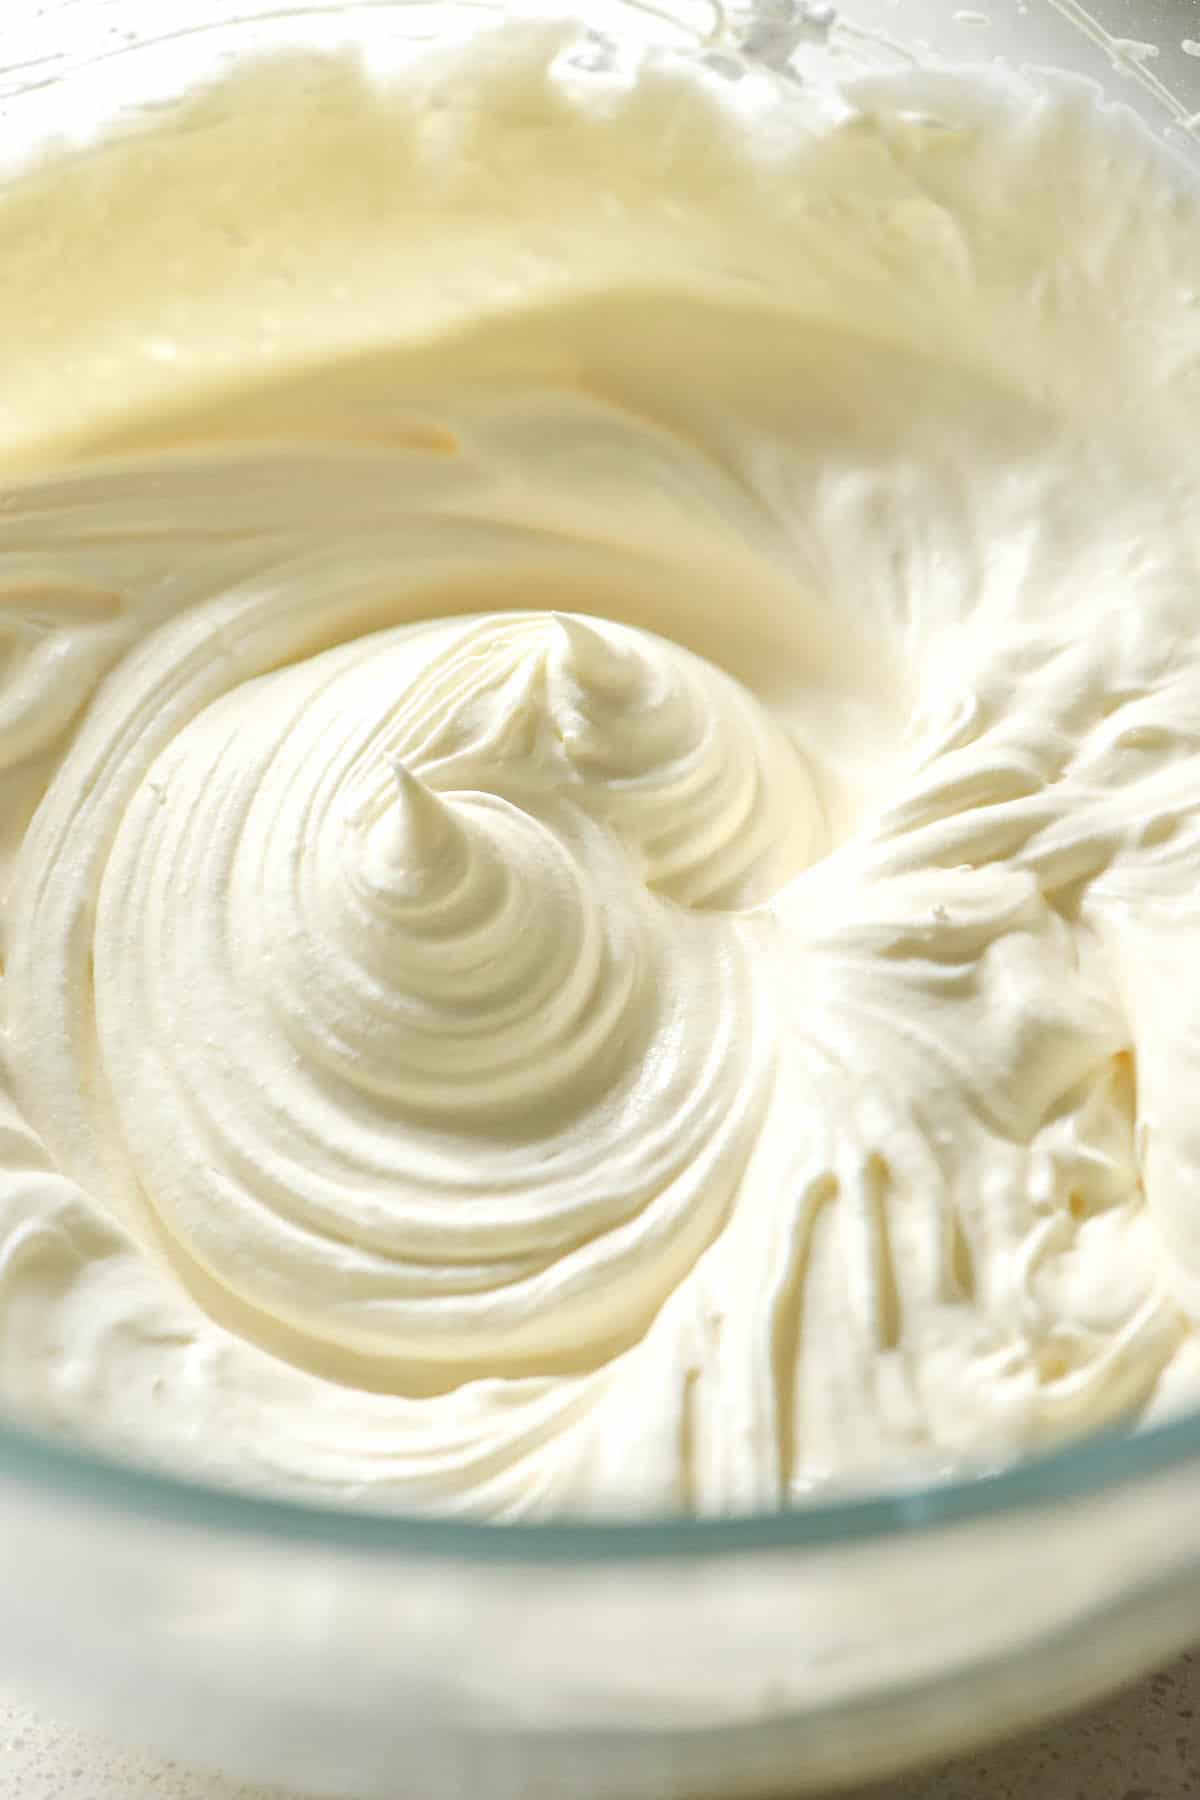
[1142, 1745]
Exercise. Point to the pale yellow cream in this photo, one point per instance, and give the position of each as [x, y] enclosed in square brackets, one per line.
[600, 782]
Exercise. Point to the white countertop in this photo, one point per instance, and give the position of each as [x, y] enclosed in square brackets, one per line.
[1142, 1745]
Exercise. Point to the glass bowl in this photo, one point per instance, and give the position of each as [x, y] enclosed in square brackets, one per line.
[359, 1656]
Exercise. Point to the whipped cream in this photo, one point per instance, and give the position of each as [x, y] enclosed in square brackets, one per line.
[599, 746]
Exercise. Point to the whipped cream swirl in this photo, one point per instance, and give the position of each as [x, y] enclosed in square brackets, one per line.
[599, 786]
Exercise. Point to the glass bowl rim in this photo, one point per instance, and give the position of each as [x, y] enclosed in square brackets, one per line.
[1082, 1470]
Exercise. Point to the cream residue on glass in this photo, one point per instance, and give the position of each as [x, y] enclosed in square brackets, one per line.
[600, 759]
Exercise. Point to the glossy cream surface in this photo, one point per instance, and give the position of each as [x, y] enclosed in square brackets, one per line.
[599, 781]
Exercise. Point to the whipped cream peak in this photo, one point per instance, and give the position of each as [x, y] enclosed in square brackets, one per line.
[418, 839]
[589, 658]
